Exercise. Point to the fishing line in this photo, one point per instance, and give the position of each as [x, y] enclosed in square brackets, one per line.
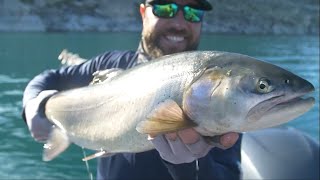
[87, 164]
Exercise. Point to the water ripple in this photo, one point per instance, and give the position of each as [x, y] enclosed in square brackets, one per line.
[8, 79]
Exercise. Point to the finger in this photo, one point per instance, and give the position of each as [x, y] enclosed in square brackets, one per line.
[171, 136]
[178, 147]
[214, 141]
[172, 151]
[199, 148]
[229, 139]
[189, 136]
[181, 153]
[161, 144]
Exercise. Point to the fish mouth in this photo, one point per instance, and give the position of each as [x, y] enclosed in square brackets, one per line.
[281, 109]
[295, 100]
[292, 103]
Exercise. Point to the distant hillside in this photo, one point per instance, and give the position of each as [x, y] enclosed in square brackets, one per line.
[228, 16]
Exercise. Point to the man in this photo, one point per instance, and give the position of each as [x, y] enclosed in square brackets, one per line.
[168, 27]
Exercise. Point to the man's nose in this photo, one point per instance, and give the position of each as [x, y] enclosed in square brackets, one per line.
[179, 22]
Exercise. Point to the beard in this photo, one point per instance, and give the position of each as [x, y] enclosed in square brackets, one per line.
[152, 46]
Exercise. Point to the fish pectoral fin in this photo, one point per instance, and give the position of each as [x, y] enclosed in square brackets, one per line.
[101, 153]
[56, 144]
[167, 117]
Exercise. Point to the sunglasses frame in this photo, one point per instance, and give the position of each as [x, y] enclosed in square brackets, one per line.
[180, 7]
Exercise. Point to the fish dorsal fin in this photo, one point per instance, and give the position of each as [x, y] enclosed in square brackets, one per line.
[101, 153]
[68, 59]
[167, 117]
[56, 144]
[105, 75]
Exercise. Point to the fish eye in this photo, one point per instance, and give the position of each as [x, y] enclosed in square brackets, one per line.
[263, 85]
[287, 81]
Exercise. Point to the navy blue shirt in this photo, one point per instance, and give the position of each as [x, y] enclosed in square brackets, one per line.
[217, 164]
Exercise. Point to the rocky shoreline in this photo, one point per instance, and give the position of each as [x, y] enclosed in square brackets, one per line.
[290, 17]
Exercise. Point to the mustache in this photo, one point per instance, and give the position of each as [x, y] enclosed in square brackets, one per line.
[182, 32]
[151, 41]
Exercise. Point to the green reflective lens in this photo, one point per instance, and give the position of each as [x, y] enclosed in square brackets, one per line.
[165, 10]
[192, 14]
[170, 10]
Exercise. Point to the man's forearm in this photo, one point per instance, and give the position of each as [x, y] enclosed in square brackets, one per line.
[47, 80]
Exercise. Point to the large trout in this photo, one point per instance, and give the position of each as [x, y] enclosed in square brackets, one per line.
[214, 92]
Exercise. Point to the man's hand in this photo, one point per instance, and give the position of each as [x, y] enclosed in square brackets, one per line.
[187, 145]
[38, 124]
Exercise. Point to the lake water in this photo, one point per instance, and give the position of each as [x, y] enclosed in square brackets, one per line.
[23, 55]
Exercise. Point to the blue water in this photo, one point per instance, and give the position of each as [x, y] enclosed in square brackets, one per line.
[23, 55]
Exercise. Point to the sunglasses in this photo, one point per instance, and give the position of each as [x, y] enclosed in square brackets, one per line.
[170, 10]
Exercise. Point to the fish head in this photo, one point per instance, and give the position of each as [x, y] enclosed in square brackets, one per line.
[240, 93]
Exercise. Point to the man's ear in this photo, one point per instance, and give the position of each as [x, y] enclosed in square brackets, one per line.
[142, 10]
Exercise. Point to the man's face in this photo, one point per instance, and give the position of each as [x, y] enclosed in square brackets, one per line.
[161, 36]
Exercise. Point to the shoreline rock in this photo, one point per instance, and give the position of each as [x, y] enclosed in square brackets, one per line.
[290, 17]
